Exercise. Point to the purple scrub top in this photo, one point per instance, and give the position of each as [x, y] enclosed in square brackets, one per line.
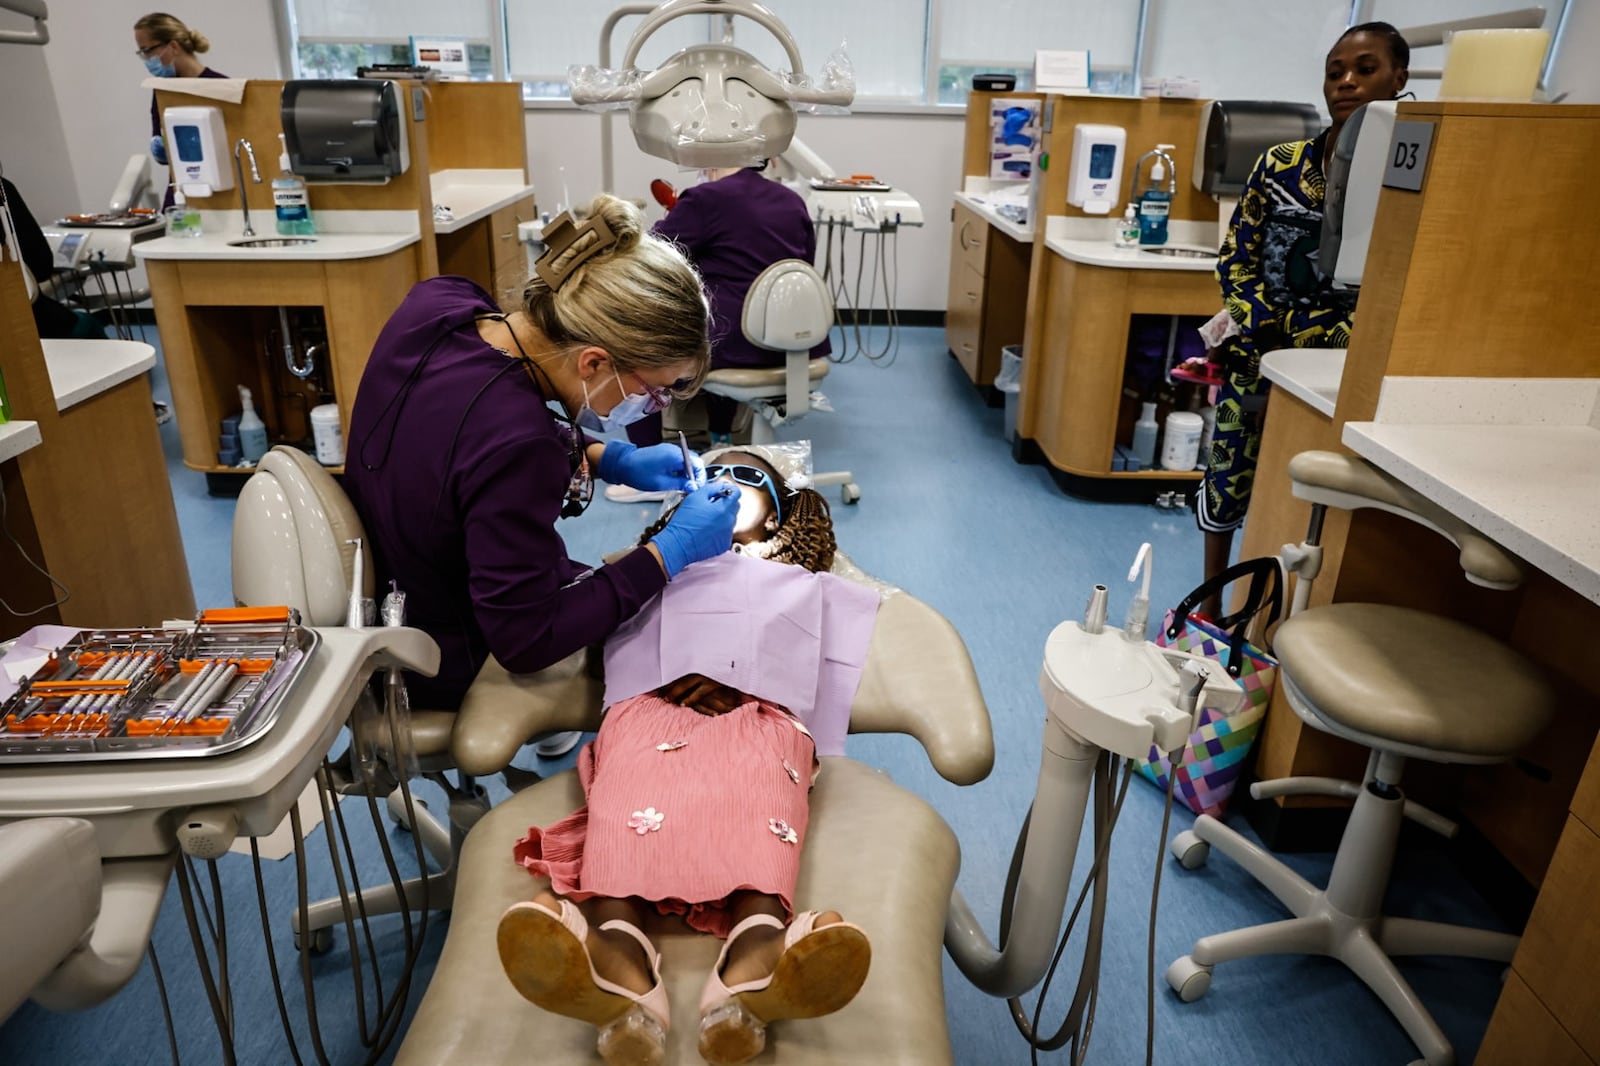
[459, 471]
[732, 229]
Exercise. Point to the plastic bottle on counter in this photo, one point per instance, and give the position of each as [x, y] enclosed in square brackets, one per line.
[289, 198]
[1182, 450]
[252, 431]
[1144, 437]
[182, 220]
[1127, 235]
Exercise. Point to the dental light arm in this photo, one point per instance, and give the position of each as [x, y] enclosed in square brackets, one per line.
[34, 9]
[710, 105]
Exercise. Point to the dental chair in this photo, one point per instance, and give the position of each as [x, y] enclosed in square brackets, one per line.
[50, 875]
[1406, 685]
[296, 538]
[918, 680]
[788, 309]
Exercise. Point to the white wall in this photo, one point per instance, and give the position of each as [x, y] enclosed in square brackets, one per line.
[33, 137]
[76, 110]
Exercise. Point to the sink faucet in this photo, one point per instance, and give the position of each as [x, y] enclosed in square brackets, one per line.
[238, 168]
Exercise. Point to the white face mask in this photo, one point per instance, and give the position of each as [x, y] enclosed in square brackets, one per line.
[628, 410]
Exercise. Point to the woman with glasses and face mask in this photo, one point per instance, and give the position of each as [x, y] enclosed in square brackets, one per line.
[1271, 286]
[467, 445]
[168, 49]
[697, 794]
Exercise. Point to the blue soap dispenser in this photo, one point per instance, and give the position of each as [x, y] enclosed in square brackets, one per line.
[1155, 203]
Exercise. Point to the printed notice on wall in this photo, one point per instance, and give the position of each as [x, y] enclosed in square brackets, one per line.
[1061, 71]
[447, 55]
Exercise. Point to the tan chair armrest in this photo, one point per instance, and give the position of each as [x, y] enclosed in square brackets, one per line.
[919, 680]
[1346, 481]
[503, 711]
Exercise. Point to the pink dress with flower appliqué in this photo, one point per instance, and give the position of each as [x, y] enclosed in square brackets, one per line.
[684, 809]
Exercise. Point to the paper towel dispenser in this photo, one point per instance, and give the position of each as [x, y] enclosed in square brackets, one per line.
[1234, 133]
[346, 130]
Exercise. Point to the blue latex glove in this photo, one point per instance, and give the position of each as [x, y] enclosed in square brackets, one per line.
[658, 468]
[158, 149]
[701, 527]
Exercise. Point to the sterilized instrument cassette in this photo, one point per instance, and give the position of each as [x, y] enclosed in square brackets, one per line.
[206, 688]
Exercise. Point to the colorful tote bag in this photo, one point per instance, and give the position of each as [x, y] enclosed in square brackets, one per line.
[1213, 758]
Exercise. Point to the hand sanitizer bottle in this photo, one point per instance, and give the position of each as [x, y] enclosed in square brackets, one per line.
[289, 198]
[252, 431]
[1128, 228]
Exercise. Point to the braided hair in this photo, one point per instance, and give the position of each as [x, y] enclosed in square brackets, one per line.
[804, 536]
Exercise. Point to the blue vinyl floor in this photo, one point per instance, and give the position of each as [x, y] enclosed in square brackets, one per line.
[1006, 556]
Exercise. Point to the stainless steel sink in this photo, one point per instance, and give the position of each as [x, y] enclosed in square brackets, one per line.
[1181, 251]
[272, 242]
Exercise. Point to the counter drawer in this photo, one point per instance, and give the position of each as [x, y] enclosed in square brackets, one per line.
[963, 329]
[969, 240]
[1556, 956]
[504, 243]
[1522, 1031]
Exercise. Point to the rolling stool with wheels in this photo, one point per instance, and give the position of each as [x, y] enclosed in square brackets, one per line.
[1405, 684]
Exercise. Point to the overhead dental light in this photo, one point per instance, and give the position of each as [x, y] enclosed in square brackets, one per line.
[711, 105]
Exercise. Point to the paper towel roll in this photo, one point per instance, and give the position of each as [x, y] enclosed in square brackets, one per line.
[1493, 64]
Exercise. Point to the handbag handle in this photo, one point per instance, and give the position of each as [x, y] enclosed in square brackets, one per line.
[1266, 579]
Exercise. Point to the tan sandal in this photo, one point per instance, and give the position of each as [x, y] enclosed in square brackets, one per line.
[821, 969]
[546, 957]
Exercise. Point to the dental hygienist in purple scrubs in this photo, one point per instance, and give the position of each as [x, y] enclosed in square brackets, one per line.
[467, 445]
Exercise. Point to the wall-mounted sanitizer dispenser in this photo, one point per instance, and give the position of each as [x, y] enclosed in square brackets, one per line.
[1095, 181]
[197, 150]
[344, 130]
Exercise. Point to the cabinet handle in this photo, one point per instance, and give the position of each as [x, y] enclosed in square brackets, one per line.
[962, 236]
[509, 237]
[965, 346]
[972, 296]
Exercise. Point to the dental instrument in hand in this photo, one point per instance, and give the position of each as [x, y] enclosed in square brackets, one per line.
[688, 462]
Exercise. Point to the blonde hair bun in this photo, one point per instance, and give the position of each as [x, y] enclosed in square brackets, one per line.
[620, 216]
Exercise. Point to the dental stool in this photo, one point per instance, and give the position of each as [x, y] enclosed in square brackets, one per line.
[1407, 685]
[294, 534]
[788, 309]
[875, 852]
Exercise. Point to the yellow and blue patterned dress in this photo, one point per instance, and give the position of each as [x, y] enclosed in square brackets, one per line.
[1274, 291]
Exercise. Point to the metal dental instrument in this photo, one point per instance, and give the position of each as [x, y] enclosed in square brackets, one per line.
[218, 685]
[198, 685]
[688, 462]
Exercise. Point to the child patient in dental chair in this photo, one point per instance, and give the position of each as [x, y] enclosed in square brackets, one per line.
[720, 696]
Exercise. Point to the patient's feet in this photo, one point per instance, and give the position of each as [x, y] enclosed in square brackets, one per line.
[554, 960]
[768, 972]
[755, 953]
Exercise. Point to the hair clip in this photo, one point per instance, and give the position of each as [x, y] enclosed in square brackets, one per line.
[560, 234]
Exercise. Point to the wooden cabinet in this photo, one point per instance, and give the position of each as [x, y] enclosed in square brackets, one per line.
[988, 299]
[489, 251]
[1547, 1012]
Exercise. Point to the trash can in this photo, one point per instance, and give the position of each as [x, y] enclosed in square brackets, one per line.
[1009, 382]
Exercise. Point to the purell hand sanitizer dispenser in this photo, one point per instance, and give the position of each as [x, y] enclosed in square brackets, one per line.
[197, 150]
[1095, 180]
